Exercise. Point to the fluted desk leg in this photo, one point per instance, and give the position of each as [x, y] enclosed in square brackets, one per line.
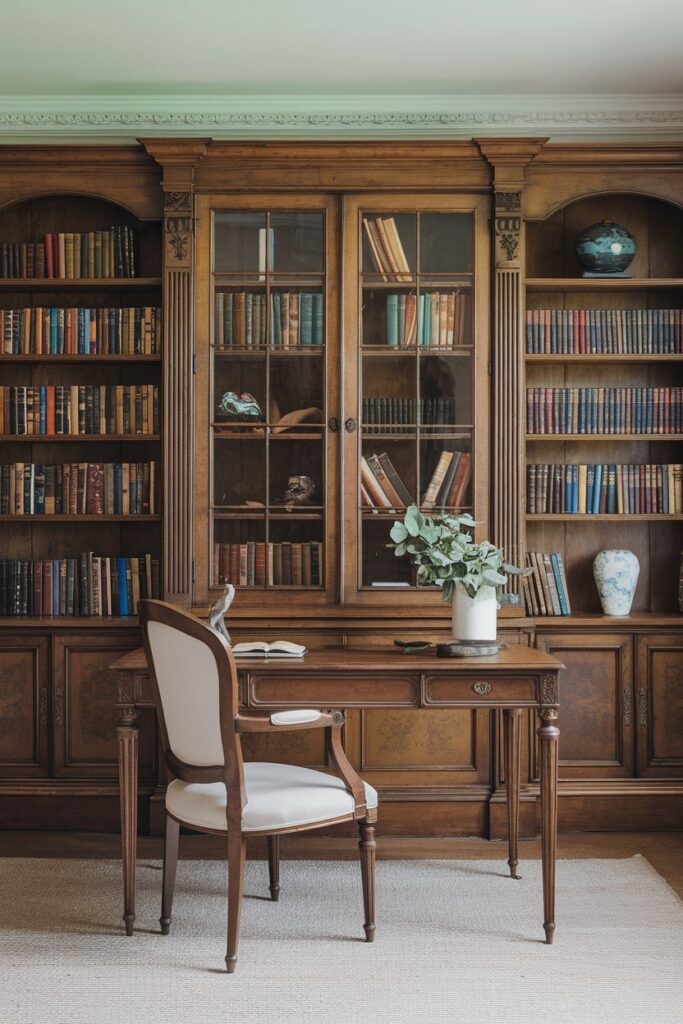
[128, 733]
[548, 735]
[512, 718]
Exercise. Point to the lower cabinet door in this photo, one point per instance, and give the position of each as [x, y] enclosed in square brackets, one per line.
[85, 715]
[596, 704]
[659, 706]
[24, 707]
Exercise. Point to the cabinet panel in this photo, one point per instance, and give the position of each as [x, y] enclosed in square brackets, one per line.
[85, 708]
[596, 704]
[24, 707]
[659, 706]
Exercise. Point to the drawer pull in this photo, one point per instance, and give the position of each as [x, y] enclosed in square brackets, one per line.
[482, 688]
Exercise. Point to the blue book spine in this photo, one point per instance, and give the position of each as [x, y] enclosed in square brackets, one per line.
[392, 320]
[596, 489]
[575, 488]
[427, 319]
[590, 481]
[53, 330]
[318, 319]
[562, 597]
[123, 594]
[568, 489]
[306, 321]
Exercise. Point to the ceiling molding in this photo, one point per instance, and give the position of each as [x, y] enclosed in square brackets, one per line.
[117, 118]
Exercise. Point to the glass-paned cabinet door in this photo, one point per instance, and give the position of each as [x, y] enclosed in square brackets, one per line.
[265, 463]
[416, 319]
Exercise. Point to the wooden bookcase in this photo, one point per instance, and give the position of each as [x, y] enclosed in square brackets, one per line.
[58, 691]
[489, 220]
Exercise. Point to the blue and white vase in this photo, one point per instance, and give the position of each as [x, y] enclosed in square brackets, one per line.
[616, 575]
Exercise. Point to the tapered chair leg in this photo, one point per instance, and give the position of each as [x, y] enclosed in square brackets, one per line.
[236, 856]
[274, 867]
[170, 865]
[367, 848]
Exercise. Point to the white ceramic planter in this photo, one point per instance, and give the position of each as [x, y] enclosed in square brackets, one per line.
[616, 575]
[474, 619]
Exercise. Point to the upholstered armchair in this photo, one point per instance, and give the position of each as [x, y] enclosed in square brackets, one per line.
[214, 790]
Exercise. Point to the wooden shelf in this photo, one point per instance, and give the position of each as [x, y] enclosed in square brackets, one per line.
[607, 357]
[572, 517]
[59, 438]
[47, 517]
[80, 358]
[54, 284]
[598, 284]
[604, 437]
[388, 351]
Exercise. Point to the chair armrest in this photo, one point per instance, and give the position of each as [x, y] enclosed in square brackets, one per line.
[286, 721]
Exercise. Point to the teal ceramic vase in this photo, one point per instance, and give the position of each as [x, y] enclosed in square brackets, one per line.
[605, 250]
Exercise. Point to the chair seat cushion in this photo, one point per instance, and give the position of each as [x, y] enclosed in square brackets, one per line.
[278, 796]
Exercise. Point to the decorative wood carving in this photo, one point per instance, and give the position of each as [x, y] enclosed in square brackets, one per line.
[642, 706]
[482, 688]
[549, 689]
[628, 707]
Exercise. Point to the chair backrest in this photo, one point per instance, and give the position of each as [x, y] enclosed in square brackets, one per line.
[195, 682]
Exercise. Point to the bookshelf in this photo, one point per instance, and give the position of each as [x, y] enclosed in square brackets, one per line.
[262, 514]
[416, 313]
[81, 408]
[619, 343]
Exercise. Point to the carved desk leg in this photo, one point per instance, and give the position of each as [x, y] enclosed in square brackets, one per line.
[512, 718]
[127, 733]
[549, 734]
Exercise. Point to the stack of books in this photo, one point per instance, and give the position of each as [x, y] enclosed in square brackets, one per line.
[545, 590]
[449, 481]
[85, 584]
[72, 255]
[598, 489]
[604, 331]
[380, 484]
[133, 330]
[604, 410]
[255, 563]
[80, 409]
[78, 488]
[387, 248]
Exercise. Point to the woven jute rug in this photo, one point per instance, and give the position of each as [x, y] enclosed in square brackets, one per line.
[457, 941]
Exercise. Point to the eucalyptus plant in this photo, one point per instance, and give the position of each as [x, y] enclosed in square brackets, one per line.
[445, 553]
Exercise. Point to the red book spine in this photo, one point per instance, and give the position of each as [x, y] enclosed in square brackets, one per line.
[49, 257]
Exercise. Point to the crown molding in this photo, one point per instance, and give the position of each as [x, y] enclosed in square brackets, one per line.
[124, 118]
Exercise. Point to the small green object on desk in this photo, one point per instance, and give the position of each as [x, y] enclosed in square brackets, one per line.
[411, 646]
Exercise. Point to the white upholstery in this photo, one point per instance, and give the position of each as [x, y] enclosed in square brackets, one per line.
[278, 796]
[188, 681]
[298, 717]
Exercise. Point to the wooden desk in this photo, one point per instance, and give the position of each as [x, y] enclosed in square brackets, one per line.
[516, 678]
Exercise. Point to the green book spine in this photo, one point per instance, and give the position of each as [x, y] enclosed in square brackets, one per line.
[392, 320]
[317, 319]
[306, 315]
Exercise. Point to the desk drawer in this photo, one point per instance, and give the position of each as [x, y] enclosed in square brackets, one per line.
[479, 688]
[298, 689]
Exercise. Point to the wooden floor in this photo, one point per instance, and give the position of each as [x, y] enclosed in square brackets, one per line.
[664, 850]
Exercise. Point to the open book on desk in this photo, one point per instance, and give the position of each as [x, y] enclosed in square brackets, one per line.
[276, 649]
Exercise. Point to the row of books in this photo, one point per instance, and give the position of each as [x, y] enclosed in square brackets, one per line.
[449, 481]
[432, 320]
[381, 486]
[78, 330]
[85, 584]
[387, 249]
[85, 488]
[598, 489]
[604, 410]
[80, 409]
[72, 255]
[395, 412]
[604, 331]
[545, 590]
[257, 563]
[296, 318]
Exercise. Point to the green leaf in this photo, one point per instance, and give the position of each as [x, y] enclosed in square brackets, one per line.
[398, 532]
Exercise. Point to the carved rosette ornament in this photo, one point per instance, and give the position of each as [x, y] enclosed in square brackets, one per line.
[550, 690]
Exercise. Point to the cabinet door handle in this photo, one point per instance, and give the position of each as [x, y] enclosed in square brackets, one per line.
[642, 706]
[333, 424]
[628, 706]
[482, 688]
[350, 425]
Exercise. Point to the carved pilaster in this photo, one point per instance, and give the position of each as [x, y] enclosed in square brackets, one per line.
[509, 159]
[179, 159]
